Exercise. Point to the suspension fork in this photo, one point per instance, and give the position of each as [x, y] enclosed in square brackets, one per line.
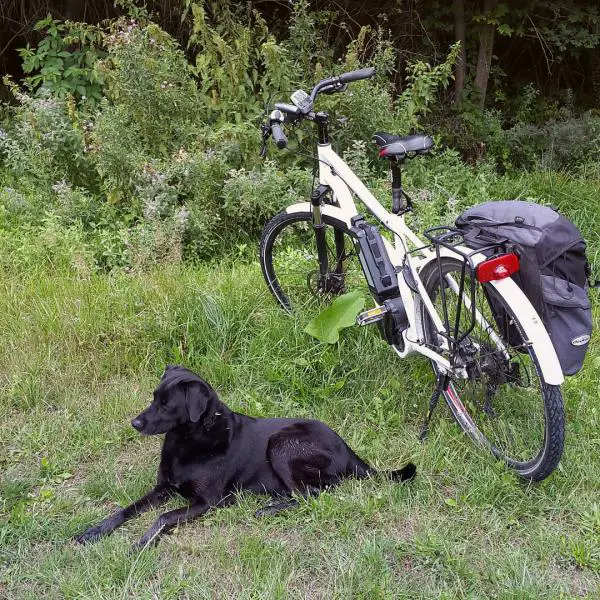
[319, 227]
[340, 250]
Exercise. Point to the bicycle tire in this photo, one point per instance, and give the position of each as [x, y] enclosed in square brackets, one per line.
[305, 260]
[469, 414]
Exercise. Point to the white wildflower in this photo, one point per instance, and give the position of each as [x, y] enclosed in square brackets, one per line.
[181, 217]
[61, 187]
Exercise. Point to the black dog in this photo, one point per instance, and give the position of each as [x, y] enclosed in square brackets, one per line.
[210, 452]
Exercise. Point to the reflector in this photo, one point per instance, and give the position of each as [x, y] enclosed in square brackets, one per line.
[496, 268]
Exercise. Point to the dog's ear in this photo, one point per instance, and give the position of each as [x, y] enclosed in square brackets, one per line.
[167, 370]
[196, 397]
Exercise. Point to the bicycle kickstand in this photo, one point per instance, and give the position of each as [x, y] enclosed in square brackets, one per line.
[442, 382]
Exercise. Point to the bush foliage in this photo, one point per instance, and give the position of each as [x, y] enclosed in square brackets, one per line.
[138, 154]
[161, 161]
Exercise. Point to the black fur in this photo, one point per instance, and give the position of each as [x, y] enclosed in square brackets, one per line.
[210, 452]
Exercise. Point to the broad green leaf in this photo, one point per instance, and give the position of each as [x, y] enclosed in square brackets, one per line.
[342, 313]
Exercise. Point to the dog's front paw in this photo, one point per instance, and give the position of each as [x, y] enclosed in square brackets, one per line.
[149, 539]
[146, 541]
[92, 534]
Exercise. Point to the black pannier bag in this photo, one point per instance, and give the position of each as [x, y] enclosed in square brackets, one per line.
[553, 270]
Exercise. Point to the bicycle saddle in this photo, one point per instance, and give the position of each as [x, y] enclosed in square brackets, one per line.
[393, 146]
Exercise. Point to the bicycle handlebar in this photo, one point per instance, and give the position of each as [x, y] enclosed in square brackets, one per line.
[276, 118]
[357, 75]
[278, 135]
[337, 82]
[329, 85]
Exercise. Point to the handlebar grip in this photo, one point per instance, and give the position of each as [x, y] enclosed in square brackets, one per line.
[357, 75]
[278, 135]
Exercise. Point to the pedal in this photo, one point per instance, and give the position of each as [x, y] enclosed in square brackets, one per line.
[371, 316]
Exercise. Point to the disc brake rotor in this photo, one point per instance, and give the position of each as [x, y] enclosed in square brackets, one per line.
[318, 285]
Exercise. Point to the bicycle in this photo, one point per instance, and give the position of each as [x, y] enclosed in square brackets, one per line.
[437, 298]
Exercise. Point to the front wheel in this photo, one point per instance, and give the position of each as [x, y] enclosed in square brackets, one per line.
[501, 401]
[301, 279]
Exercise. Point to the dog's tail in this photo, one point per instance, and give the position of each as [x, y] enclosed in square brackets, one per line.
[406, 473]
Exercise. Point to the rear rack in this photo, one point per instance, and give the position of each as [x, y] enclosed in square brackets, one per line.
[451, 238]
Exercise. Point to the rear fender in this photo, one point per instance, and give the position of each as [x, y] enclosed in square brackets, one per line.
[529, 320]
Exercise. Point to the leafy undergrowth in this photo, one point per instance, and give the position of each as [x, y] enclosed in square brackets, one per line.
[79, 357]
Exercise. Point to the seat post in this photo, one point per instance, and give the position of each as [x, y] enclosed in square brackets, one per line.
[397, 191]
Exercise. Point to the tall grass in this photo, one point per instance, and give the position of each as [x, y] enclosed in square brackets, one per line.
[80, 356]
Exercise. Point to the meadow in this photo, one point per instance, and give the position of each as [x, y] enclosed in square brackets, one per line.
[79, 356]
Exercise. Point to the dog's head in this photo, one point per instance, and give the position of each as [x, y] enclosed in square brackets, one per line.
[181, 397]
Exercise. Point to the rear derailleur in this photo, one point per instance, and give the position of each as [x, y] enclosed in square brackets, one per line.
[489, 366]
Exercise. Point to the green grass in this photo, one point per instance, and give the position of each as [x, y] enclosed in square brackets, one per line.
[79, 358]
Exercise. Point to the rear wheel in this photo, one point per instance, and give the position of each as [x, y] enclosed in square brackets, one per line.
[293, 270]
[502, 400]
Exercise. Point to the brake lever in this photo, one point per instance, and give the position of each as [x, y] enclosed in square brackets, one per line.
[334, 88]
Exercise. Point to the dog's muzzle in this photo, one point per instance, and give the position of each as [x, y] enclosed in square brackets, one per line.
[138, 423]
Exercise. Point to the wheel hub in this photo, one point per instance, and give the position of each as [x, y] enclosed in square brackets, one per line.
[331, 283]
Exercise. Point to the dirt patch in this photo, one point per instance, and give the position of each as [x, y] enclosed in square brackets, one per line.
[582, 583]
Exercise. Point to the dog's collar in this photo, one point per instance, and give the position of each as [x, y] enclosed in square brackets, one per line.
[210, 423]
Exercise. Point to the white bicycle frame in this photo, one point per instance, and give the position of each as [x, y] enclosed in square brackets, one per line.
[336, 174]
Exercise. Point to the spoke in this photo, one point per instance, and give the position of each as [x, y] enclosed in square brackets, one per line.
[296, 265]
[499, 394]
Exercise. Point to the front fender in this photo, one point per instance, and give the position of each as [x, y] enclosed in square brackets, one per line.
[333, 212]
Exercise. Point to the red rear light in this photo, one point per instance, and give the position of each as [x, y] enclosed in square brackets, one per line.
[496, 268]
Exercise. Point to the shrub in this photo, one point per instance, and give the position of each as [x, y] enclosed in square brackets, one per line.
[251, 197]
[149, 79]
[166, 165]
[559, 140]
[556, 144]
[184, 191]
[44, 141]
[152, 108]
[238, 64]
[64, 61]
[155, 240]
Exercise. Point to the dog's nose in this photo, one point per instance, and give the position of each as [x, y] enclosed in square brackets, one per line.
[137, 423]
